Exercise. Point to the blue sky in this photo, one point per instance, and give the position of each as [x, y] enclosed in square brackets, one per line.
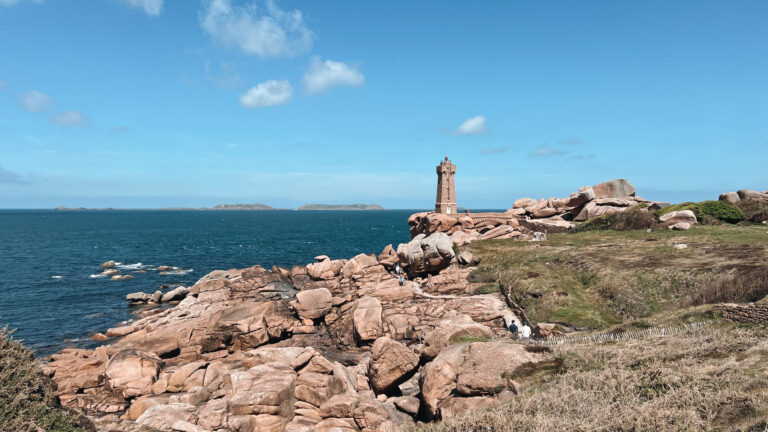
[152, 103]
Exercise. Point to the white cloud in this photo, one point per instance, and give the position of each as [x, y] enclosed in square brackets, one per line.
[151, 7]
[329, 73]
[70, 118]
[266, 32]
[472, 126]
[34, 101]
[268, 93]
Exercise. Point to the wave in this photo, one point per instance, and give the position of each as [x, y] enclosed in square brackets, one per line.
[135, 266]
[97, 276]
[57, 277]
[177, 272]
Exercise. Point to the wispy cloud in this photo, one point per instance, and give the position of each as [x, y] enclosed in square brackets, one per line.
[488, 151]
[34, 101]
[325, 74]
[227, 77]
[119, 129]
[70, 119]
[151, 7]
[10, 177]
[268, 93]
[569, 142]
[13, 2]
[547, 152]
[3, 85]
[265, 32]
[472, 126]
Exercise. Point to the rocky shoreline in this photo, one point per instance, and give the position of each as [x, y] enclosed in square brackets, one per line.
[333, 345]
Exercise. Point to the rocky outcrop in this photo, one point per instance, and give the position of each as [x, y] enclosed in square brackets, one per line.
[529, 215]
[427, 254]
[673, 218]
[473, 370]
[334, 345]
[745, 195]
[391, 363]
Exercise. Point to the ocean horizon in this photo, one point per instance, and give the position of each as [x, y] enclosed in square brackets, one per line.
[51, 291]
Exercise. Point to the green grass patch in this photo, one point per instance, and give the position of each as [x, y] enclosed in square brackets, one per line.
[467, 339]
[488, 289]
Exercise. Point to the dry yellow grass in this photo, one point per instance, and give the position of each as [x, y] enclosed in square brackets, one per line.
[712, 379]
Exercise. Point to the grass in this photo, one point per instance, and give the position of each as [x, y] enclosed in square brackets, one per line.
[488, 289]
[634, 218]
[710, 380]
[28, 399]
[469, 339]
[600, 279]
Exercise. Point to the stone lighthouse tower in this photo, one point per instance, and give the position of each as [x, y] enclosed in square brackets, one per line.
[446, 195]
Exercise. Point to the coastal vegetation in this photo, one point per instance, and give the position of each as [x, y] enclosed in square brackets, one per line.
[708, 212]
[599, 278]
[28, 398]
[710, 379]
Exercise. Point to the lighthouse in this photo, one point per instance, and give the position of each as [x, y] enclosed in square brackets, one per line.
[446, 194]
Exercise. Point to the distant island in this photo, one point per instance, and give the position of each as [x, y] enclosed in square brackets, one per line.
[255, 206]
[341, 207]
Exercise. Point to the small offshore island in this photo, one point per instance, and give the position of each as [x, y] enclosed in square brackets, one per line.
[618, 293]
[255, 206]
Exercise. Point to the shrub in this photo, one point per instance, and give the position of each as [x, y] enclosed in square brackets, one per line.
[721, 210]
[28, 399]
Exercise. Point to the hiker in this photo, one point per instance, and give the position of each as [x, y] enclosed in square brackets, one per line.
[525, 332]
[401, 280]
[397, 269]
[513, 328]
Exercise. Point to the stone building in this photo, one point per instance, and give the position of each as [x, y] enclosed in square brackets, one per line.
[446, 195]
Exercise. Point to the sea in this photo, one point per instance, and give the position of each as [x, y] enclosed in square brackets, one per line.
[51, 292]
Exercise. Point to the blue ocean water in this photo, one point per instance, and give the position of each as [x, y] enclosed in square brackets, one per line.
[47, 258]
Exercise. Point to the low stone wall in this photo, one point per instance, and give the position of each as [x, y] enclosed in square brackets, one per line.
[751, 312]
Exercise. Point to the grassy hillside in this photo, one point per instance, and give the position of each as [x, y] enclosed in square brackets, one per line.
[714, 378]
[28, 399]
[711, 380]
[598, 279]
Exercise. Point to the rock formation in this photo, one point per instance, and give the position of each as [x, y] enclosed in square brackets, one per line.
[333, 345]
[528, 216]
[745, 194]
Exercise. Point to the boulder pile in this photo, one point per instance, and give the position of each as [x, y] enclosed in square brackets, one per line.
[745, 195]
[529, 216]
[336, 345]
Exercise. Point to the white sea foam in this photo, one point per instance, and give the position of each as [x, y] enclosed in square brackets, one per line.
[136, 266]
[97, 276]
[178, 272]
[57, 277]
